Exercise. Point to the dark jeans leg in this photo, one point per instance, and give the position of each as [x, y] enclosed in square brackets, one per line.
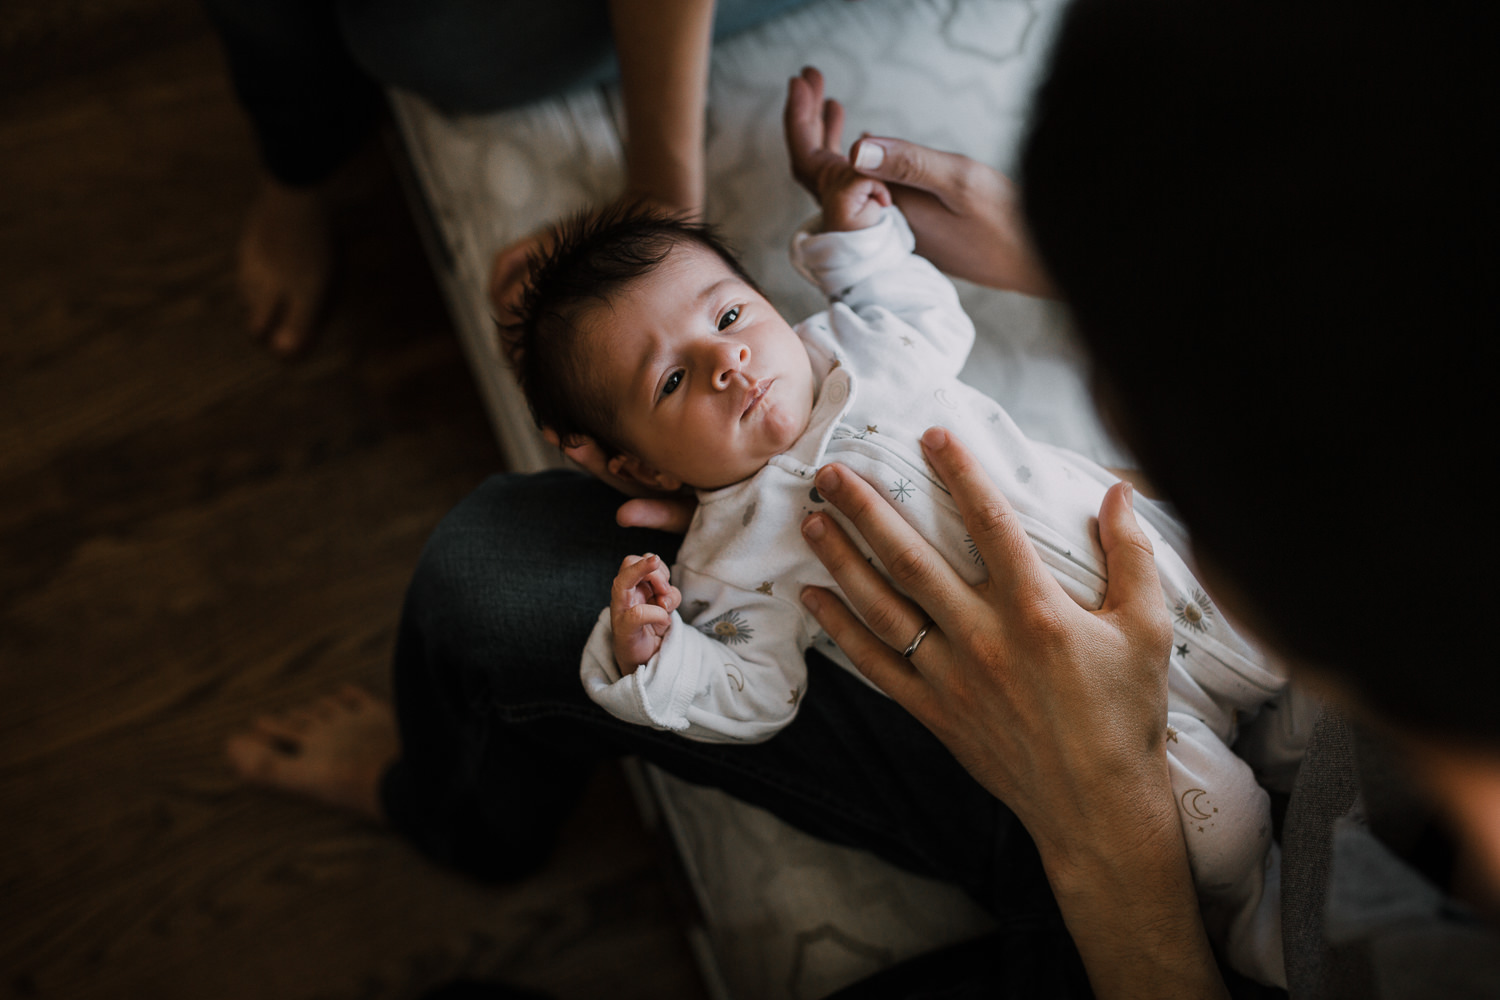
[310, 104]
[498, 736]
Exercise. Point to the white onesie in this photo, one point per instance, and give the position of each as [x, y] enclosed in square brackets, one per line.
[886, 357]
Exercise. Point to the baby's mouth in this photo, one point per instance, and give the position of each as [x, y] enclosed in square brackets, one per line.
[756, 395]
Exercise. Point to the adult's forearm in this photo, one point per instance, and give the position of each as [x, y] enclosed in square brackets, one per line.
[1119, 870]
[664, 51]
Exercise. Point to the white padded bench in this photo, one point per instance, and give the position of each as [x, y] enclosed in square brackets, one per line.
[785, 915]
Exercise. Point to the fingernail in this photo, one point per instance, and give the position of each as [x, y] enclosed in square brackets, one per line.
[935, 438]
[869, 156]
[813, 526]
[1129, 496]
[811, 598]
[827, 481]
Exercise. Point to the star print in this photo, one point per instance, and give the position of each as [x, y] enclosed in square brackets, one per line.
[871, 429]
[1171, 734]
[994, 418]
[764, 588]
[907, 341]
[1182, 650]
[796, 696]
[901, 490]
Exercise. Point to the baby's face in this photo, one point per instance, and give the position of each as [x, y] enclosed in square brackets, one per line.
[706, 379]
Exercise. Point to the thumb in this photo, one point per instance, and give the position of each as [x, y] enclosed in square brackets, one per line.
[909, 164]
[1133, 587]
[672, 514]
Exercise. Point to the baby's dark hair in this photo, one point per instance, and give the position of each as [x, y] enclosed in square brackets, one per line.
[593, 256]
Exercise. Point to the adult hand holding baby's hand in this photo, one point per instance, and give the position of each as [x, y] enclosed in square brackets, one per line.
[814, 129]
[641, 603]
[966, 215]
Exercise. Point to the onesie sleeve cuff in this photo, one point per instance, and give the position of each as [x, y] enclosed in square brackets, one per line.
[835, 262]
[657, 694]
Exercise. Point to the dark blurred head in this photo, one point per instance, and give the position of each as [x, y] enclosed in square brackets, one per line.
[1276, 226]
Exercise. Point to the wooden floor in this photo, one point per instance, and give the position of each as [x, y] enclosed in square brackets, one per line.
[192, 533]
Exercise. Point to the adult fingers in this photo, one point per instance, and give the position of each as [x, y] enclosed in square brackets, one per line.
[1134, 589]
[909, 559]
[800, 124]
[887, 613]
[992, 522]
[884, 666]
[833, 126]
[946, 175]
[672, 514]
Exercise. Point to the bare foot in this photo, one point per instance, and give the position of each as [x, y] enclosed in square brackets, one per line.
[286, 259]
[333, 750]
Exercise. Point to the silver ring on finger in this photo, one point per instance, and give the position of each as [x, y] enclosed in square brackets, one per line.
[916, 640]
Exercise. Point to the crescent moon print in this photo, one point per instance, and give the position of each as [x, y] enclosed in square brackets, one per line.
[1190, 800]
[942, 397]
[735, 677]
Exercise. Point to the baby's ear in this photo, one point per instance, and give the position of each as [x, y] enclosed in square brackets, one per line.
[630, 467]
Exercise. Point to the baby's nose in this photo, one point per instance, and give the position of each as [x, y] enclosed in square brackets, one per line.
[732, 361]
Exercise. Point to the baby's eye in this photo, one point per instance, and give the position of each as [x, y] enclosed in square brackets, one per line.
[728, 318]
[671, 384]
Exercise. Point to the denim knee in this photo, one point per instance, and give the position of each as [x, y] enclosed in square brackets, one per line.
[511, 582]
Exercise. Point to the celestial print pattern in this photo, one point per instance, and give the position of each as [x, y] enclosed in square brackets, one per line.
[730, 628]
[1024, 474]
[749, 515]
[901, 489]
[1195, 612]
[1195, 804]
[765, 588]
[1182, 650]
[1171, 735]
[973, 549]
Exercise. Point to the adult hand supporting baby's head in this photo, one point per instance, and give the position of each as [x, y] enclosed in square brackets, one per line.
[966, 215]
[647, 508]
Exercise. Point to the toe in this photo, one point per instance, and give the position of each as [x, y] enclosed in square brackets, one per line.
[290, 726]
[253, 756]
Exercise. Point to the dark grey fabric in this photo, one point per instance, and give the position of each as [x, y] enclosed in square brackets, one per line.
[1327, 788]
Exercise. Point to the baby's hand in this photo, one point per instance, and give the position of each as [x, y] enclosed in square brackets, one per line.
[814, 133]
[640, 610]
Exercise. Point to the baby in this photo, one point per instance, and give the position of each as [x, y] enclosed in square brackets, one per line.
[645, 334]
